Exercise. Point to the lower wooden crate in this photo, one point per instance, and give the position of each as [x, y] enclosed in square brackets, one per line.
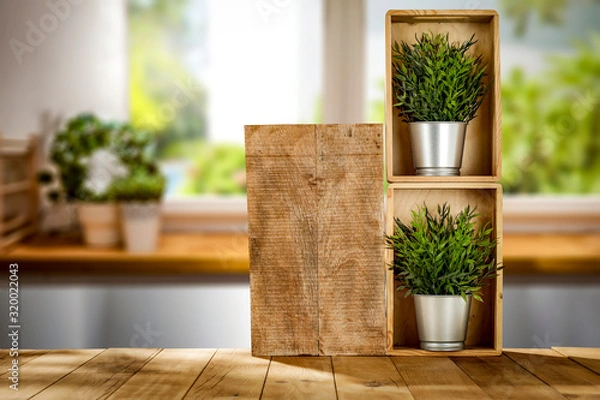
[484, 335]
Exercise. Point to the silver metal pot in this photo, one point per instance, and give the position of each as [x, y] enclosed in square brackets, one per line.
[442, 321]
[437, 147]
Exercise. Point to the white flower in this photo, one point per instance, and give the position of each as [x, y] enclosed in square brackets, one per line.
[103, 167]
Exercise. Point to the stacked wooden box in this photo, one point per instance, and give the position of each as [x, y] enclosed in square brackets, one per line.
[476, 186]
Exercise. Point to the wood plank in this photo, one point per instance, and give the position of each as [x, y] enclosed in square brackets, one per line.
[101, 376]
[368, 378]
[24, 357]
[282, 229]
[350, 245]
[43, 371]
[588, 357]
[437, 378]
[299, 378]
[564, 375]
[231, 374]
[502, 379]
[167, 376]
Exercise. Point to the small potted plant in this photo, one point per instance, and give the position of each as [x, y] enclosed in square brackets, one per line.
[443, 261]
[85, 166]
[438, 87]
[139, 195]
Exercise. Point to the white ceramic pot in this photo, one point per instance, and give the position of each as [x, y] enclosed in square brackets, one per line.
[100, 223]
[141, 226]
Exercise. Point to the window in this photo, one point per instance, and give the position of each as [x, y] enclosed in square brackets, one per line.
[202, 69]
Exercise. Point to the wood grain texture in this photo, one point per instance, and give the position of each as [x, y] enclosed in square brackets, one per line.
[359, 378]
[350, 245]
[231, 374]
[484, 334]
[44, 371]
[502, 379]
[101, 376]
[589, 358]
[538, 373]
[282, 230]
[167, 376]
[562, 374]
[437, 378]
[300, 378]
[482, 157]
[315, 221]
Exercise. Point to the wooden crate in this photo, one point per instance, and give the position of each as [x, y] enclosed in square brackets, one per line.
[481, 158]
[484, 336]
[315, 224]
[18, 177]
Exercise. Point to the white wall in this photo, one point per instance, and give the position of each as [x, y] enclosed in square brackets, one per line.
[58, 58]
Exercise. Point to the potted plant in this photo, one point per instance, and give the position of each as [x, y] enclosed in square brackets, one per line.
[438, 87]
[85, 166]
[139, 195]
[443, 261]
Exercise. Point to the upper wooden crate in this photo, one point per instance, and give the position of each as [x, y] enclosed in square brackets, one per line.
[484, 335]
[481, 158]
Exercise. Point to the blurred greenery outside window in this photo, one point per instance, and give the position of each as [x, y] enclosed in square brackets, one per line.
[550, 57]
[199, 70]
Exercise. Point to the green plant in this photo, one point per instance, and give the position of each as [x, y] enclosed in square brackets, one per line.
[435, 80]
[82, 135]
[443, 254]
[139, 185]
[124, 148]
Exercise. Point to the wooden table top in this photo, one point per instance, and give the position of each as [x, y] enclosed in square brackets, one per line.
[143, 373]
[227, 253]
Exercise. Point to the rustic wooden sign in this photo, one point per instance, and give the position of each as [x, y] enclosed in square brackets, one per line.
[315, 227]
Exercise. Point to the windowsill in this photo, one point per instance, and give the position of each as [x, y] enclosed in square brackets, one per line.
[227, 253]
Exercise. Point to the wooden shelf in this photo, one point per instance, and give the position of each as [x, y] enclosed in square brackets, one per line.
[190, 253]
[482, 154]
[484, 335]
[194, 253]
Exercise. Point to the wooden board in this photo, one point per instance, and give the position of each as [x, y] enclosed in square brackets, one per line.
[502, 379]
[437, 378]
[589, 358]
[350, 245]
[299, 378]
[368, 378]
[315, 222]
[231, 373]
[482, 154]
[282, 232]
[562, 374]
[167, 376]
[484, 334]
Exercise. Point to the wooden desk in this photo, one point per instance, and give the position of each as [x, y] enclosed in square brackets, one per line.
[206, 374]
[203, 253]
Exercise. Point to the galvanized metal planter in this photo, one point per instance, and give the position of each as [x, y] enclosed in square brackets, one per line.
[442, 321]
[437, 147]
